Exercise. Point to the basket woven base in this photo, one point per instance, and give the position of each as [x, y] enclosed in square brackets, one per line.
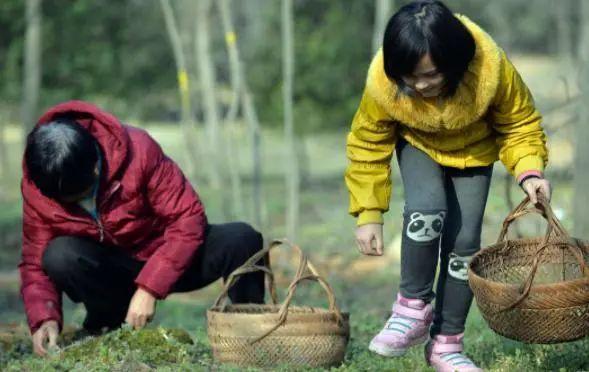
[310, 337]
[541, 326]
[534, 290]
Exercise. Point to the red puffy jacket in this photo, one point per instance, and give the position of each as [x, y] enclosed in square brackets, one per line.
[146, 205]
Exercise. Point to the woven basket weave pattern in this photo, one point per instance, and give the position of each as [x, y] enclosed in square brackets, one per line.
[534, 290]
[275, 334]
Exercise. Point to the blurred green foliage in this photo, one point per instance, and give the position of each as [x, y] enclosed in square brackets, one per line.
[117, 53]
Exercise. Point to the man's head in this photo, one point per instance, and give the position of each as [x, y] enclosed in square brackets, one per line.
[62, 160]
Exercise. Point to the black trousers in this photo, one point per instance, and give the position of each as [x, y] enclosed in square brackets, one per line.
[102, 277]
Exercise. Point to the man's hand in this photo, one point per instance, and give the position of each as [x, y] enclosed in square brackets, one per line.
[535, 186]
[369, 239]
[48, 331]
[141, 309]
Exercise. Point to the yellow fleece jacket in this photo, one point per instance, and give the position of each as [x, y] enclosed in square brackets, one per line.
[490, 117]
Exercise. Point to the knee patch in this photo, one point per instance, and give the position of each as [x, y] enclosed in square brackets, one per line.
[424, 226]
[458, 266]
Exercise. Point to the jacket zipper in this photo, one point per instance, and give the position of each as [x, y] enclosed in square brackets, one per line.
[100, 229]
[96, 220]
[112, 191]
[99, 224]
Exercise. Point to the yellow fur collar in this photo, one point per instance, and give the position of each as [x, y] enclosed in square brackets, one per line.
[470, 102]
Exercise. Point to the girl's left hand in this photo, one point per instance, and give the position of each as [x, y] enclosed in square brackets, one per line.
[535, 186]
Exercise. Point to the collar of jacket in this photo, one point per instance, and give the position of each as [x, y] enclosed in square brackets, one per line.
[470, 102]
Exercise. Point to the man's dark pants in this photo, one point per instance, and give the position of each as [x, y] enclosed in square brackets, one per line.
[102, 277]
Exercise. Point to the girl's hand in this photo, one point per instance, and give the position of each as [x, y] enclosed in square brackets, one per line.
[369, 239]
[141, 309]
[535, 186]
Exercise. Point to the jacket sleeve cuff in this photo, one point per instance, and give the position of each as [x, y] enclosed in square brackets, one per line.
[157, 277]
[46, 312]
[529, 174]
[370, 216]
[150, 291]
[527, 164]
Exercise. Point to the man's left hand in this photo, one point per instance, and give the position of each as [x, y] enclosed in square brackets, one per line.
[141, 309]
[535, 186]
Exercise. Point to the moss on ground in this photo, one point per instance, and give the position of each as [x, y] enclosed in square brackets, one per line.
[123, 349]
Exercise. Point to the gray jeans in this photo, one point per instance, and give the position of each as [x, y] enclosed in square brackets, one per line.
[443, 217]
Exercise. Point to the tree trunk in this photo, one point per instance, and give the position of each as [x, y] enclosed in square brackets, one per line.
[292, 169]
[187, 120]
[32, 65]
[382, 13]
[242, 95]
[4, 164]
[251, 117]
[230, 118]
[303, 161]
[209, 99]
[581, 164]
[500, 23]
[564, 31]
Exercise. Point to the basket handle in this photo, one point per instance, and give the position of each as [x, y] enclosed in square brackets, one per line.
[299, 277]
[554, 225]
[250, 266]
[572, 245]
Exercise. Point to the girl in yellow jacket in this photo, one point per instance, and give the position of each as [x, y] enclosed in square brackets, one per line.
[445, 96]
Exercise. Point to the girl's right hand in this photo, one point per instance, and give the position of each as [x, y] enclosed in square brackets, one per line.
[369, 239]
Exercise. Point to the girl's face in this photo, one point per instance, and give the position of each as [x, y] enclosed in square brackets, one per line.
[425, 79]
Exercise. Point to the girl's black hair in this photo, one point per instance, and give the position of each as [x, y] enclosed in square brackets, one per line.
[423, 27]
[61, 157]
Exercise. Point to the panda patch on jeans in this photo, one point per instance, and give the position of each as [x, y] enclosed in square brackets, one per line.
[425, 227]
[458, 266]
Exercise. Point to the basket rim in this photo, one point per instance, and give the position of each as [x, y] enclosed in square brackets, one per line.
[320, 310]
[536, 287]
[529, 240]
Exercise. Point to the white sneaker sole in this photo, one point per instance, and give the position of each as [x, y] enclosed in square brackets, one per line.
[386, 351]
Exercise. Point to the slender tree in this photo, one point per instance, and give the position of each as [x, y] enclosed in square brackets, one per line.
[291, 167]
[382, 12]
[501, 24]
[231, 116]
[241, 96]
[32, 64]
[563, 11]
[251, 117]
[581, 163]
[187, 121]
[4, 164]
[206, 71]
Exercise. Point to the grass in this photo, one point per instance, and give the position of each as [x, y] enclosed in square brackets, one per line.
[493, 352]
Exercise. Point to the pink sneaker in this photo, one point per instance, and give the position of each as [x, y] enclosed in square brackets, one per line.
[408, 326]
[444, 354]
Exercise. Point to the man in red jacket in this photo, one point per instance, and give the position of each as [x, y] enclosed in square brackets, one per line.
[111, 221]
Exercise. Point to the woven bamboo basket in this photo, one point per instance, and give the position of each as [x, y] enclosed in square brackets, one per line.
[534, 290]
[251, 335]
